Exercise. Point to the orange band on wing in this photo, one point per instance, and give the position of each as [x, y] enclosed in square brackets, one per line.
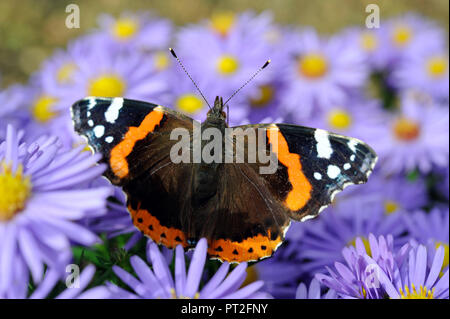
[118, 158]
[301, 188]
[250, 249]
[151, 227]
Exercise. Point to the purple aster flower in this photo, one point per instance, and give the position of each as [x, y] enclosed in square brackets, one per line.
[44, 193]
[143, 32]
[359, 277]
[314, 291]
[159, 282]
[425, 69]
[383, 272]
[338, 227]
[403, 35]
[323, 75]
[417, 279]
[416, 137]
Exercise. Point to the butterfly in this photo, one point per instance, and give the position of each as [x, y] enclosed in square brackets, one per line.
[243, 214]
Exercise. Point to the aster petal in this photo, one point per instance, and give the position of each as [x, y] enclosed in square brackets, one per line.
[420, 266]
[435, 267]
[442, 286]
[48, 235]
[196, 268]
[161, 269]
[146, 277]
[127, 278]
[302, 292]
[374, 249]
[7, 252]
[234, 279]
[180, 271]
[75, 232]
[80, 177]
[42, 161]
[247, 291]
[48, 283]
[314, 289]
[30, 252]
[215, 281]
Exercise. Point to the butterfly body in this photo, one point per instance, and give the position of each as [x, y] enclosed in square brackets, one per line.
[243, 208]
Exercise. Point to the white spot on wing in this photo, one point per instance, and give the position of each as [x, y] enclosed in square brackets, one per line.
[91, 102]
[304, 219]
[352, 145]
[99, 130]
[109, 139]
[112, 114]
[352, 157]
[347, 166]
[333, 171]
[323, 146]
[91, 123]
[317, 176]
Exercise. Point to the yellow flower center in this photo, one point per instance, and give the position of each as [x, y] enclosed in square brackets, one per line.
[436, 66]
[125, 28]
[65, 72]
[365, 242]
[189, 103]
[15, 188]
[266, 93]
[42, 109]
[162, 61]
[227, 64]
[390, 207]
[423, 293]
[406, 130]
[313, 65]
[174, 295]
[402, 35]
[446, 252]
[107, 86]
[369, 41]
[222, 22]
[339, 119]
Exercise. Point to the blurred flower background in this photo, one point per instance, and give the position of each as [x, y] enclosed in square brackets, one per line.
[388, 86]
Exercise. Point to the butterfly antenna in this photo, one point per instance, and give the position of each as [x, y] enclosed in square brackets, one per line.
[187, 73]
[248, 81]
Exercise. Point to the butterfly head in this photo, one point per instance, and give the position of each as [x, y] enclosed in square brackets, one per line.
[217, 113]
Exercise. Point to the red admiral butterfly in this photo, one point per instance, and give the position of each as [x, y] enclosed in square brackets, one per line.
[243, 214]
